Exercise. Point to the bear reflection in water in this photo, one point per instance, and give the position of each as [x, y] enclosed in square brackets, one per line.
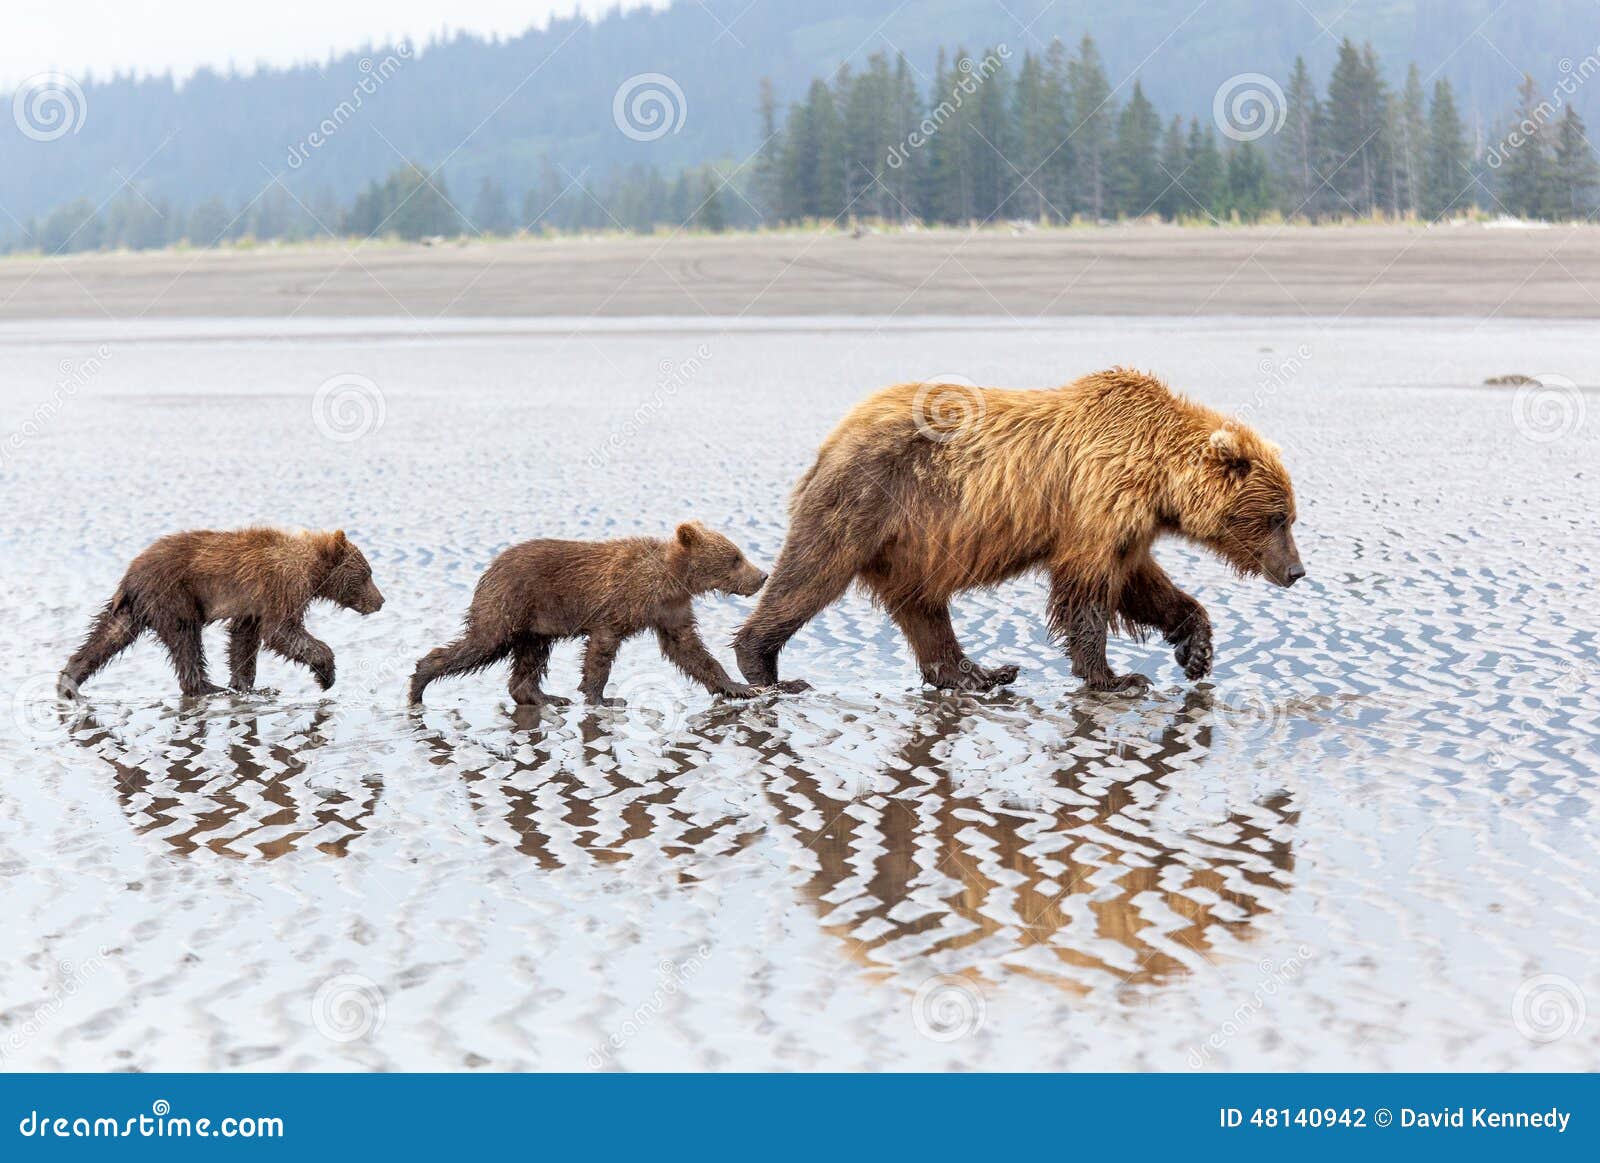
[241, 784]
[1073, 858]
[921, 858]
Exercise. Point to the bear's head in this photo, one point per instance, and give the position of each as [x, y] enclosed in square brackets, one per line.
[1236, 499]
[348, 582]
[710, 561]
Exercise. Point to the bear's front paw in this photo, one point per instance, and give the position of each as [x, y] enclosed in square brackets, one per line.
[1193, 652]
[323, 677]
[737, 690]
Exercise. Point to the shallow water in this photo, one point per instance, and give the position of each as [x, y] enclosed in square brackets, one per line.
[1369, 842]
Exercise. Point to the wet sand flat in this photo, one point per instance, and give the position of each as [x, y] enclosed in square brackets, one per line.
[1369, 842]
[1394, 271]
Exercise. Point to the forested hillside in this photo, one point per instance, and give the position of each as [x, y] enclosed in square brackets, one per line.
[525, 129]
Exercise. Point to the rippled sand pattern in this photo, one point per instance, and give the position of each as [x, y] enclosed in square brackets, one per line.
[1370, 842]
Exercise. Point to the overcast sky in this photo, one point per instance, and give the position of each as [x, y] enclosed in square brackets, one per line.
[153, 36]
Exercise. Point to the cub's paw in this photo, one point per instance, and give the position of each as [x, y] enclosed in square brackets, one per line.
[324, 678]
[1193, 652]
[1119, 684]
[737, 690]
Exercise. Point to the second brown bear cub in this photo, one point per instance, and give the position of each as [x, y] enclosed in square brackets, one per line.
[539, 592]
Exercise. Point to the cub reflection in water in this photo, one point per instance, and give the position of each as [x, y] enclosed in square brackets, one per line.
[565, 809]
[1073, 880]
[213, 783]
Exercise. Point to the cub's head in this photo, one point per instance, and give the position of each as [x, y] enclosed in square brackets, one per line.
[1236, 499]
[711, 562]
[348, 582]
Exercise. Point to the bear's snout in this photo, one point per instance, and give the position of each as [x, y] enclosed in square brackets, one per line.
[371, 601]
[748, 581]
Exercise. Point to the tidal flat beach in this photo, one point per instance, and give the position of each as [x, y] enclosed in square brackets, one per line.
[1368, 842]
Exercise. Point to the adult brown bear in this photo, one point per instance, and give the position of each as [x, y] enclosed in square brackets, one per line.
[926, 490]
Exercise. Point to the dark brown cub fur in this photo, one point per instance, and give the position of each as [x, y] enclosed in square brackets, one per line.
[259, 581]
[539, 592]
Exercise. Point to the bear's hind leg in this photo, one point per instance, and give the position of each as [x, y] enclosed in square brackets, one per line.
[530, 658]
[944, 664]
[802, 585]
[463, 656]
[113, 631]
[181, 637]
[244, 648]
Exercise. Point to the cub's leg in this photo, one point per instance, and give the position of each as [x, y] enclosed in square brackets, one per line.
[113, 631]
[244, 647]
[530, 657]
[463, 656]
[291, 640]
[1150, 599]
[1081, 623]
[683, 647]
[181, 637]
[597, 658]
[944, 664]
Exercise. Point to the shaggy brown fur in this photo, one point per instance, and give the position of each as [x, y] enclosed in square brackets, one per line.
[539, 592]
[259, 581]
[927, 490]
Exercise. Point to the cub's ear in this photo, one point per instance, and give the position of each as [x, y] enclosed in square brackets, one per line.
[689, 534]
[1228, 449]
[340, 541]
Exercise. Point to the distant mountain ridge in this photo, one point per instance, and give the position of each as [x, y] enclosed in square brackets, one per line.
[514, 108]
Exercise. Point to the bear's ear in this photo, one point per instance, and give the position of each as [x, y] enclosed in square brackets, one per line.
[340, 541]
[689, 534]
[1229, 451]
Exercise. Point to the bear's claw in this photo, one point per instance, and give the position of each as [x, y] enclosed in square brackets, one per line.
[1193, 652]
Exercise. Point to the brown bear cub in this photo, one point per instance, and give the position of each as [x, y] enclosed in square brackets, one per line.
[926, 490]
[259, 581]
[539, 592]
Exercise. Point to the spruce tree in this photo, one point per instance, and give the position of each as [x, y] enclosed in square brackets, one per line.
[1524, 175]
[1173, 170]
[1445, 173]
[1296, 146]
[1574, 173]
[1092, 115]
[1205, 177]
[1135, 176]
